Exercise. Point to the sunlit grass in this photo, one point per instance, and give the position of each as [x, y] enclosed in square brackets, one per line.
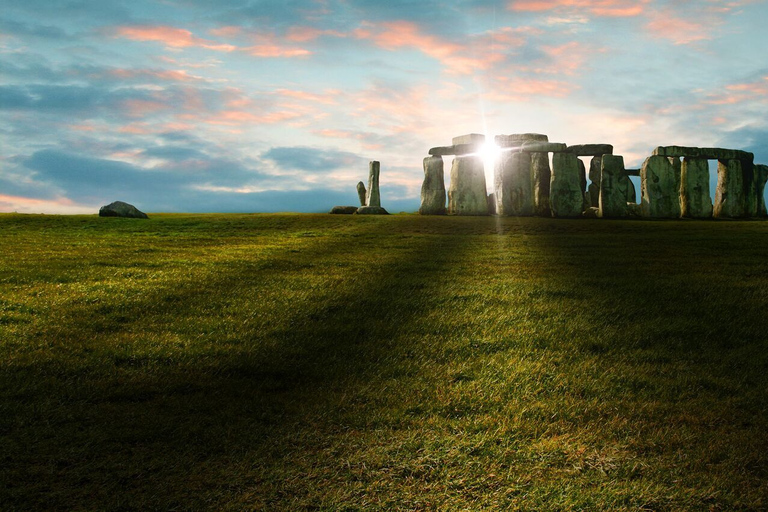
[326, 362]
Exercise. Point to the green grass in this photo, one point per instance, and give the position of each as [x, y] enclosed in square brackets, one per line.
[317, 362]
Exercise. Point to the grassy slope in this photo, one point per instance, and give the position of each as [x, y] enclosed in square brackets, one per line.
[333, 362]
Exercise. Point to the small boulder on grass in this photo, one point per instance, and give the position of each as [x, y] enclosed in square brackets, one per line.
[344, 210]
[121, 209]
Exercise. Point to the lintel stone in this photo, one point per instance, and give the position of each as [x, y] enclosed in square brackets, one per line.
[470, 138]
[544, 147]
[591, 149]
[456, 149]
[514, 139]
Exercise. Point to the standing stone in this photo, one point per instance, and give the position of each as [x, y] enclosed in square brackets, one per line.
[467, 193]
[594, 178]
[566, 198]
[729, 196]
[660, 186]
[542, 175]
[613, 192]
[695, 200]
[514, 192]
[761, 177]
[433, 188]
[361, 192]
[373, 197]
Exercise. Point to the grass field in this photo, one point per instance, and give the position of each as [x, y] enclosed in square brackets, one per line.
[318, 362]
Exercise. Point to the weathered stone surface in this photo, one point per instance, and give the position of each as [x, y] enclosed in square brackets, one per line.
[373, 197]
[543, 147]
[676, 151]
[470, 138]
[514, 185]
[634, 210]
[632, 172]
[591, 213]
[458, 149]
[591, 149]
[433, 187]
[613, 187]
[492, 204]
[361, 192]
[515, 139]
[467, 192]
[343, 210]
[729, 196]
[121, 209]
[594, 178]
[695, 200]
[727, 154]
[761, 177]
[660, 187]
[372, 210]
[542, 175]
[709, 153]
[566, 198]
[582, 175]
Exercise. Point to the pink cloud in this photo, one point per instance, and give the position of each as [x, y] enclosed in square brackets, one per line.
[606, 8]
[480, 52]
[741, 93]
[329, 98]
[167, 75]
[170, 36]
[667, 25]
[142, 108]
[274, 50]
[303, 34]
[61, 205]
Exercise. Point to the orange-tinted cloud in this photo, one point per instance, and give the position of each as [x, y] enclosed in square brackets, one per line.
[480, 52]
[171, 75]
[666, 25]
[60, 205]
[171, 37]
[607, 8]
[741, 93]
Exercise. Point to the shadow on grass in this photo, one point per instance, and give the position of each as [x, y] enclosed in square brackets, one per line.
[122, 427]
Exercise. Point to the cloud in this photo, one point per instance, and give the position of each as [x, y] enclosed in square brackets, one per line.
[680, 30]
[170, 36]
[302, 158]
[607, 8]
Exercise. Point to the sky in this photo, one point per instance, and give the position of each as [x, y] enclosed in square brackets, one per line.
[262, 106]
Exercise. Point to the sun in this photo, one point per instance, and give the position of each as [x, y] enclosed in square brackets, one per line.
[489, 152]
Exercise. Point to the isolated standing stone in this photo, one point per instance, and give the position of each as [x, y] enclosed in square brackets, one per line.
[433, 187]
[542, 175]
[121, 209]
[729, 196]
[373, 197]
[761, 177]
[566, 197]
[660, 182]
[613, 187]
[594, 178]
[512, 176]
[361, 192]
[467, 193]
[695, 200]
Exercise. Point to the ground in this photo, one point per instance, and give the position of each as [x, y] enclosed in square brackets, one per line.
[318, 362]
